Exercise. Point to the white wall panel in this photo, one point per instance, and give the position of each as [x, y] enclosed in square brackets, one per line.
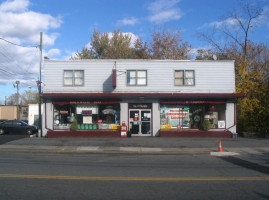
[210, 76]
[230, 117]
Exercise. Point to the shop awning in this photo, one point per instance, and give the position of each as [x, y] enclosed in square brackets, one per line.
[193, 102]
[85, 102]
[161, 95]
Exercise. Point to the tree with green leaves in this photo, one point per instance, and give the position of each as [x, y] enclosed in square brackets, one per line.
[117, 45]
[29, 97]
[12, 100]
[167, 44]
[107, 46]
[251, 65]
[141, 50]
[84, 54]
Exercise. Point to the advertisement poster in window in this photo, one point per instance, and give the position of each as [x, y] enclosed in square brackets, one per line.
[221, 124]
[87, 119]
[176, 117]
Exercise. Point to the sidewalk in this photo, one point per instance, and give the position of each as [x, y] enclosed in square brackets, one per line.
[136, 145]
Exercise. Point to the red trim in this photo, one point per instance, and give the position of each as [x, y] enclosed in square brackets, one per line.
[233, 95]
[88, 133]
[85, 102]
[193, 102]
[195, 133]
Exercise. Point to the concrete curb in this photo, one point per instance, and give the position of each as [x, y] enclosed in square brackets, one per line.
[221, 154]
[99, 149]
[128, 150]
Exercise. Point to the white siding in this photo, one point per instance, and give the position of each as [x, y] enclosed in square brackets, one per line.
[210, 76]
[32, 111]
[47, 118]
[156, 113]
[124, 113]
[230, 117]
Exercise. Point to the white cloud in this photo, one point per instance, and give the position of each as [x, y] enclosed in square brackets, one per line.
[164, 11]
[233, 23]
[18, 63]
[230, 22]
[53, 52]
[14, 6]
[162, 5]
[27, 25]
[22, 26]
[165, 16]
[127, 21]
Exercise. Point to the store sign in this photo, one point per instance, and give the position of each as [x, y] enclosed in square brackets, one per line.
[139, 106]
[64, 112]
[193, 102]
[85, 102]
[93, 109]
[86, 112]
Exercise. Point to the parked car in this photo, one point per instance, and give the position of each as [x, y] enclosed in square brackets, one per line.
[26, 121]
[16, 127]
[2, 120]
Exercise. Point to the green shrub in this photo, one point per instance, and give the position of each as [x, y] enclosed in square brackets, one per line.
[74, 125]
[206, 125]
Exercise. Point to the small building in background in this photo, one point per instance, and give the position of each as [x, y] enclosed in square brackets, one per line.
[33, 114]
[13, 112]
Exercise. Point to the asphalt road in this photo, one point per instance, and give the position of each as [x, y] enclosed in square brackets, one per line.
[86, 176]
[8, 138]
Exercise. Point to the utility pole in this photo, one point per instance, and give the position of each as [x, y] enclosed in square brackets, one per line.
[39, 88]
[16, 85]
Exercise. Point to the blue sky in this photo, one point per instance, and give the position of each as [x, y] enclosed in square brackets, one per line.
[67, 26]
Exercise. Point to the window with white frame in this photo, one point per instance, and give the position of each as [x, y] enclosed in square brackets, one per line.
[184, 78]
[136, 77]
[73, 77]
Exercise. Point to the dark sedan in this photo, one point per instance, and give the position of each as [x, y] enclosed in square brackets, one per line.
[17, 127]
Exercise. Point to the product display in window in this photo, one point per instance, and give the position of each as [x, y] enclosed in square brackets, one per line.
[87, 116]
[191, 116]
[175, 117]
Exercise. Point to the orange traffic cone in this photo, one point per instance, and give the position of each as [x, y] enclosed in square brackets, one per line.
[220, 147]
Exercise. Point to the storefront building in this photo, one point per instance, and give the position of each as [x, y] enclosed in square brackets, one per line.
[152, 97]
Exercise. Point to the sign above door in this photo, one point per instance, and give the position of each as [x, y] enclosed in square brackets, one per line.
[140, 105]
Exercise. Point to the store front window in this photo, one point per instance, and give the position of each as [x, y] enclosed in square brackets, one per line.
[88, 116]
[216, 114]
[63, 115]
[191, 116]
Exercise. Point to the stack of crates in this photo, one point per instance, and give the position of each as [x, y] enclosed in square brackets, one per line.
[87, 126]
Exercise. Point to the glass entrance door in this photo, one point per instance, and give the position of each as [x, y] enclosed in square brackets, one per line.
[140, 122]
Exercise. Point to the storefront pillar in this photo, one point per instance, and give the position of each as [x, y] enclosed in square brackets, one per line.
[124, 113]
[230, 116]
[156, 112]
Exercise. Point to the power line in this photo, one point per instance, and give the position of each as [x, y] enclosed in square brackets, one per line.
[18, 44]
[10, 59]
[7, 72]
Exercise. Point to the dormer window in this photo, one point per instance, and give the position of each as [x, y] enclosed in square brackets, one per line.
[184, 78]
[136, 77]
[73, 78]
